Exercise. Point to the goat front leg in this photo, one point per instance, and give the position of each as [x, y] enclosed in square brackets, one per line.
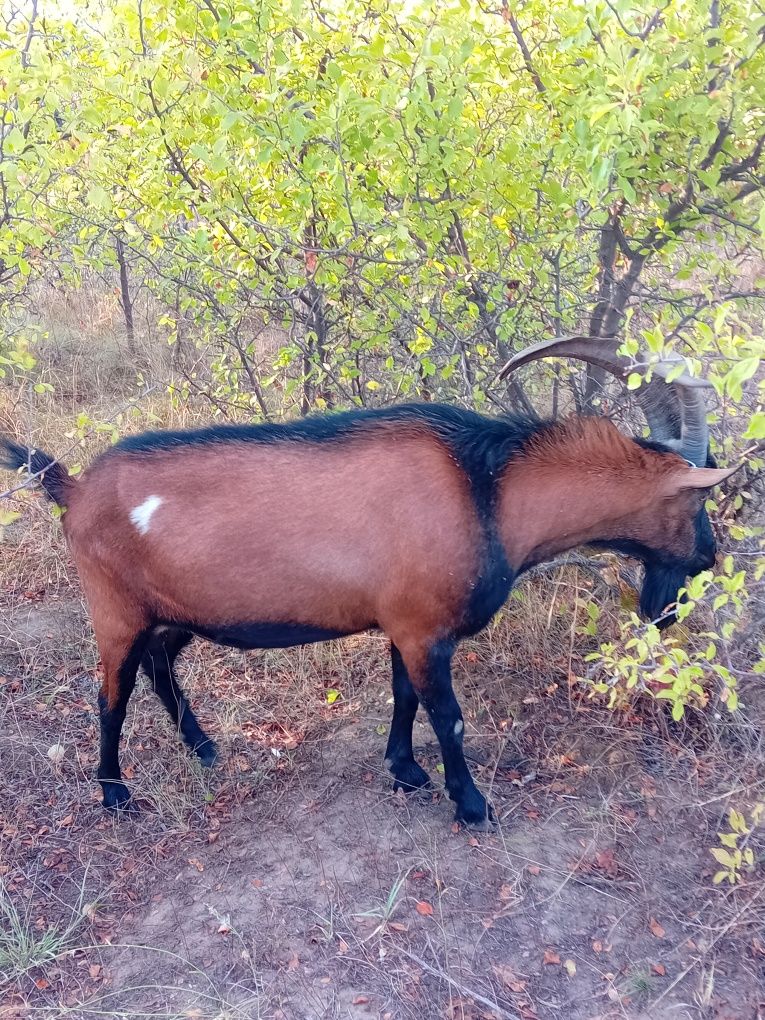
[432, 679]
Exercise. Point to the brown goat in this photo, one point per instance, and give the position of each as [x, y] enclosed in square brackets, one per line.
[414, 520]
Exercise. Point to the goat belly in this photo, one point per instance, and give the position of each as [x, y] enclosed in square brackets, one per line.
[266, 635]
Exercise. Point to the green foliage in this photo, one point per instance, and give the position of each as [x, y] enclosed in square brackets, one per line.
[397, 186]
[734, 855]
[403, 194]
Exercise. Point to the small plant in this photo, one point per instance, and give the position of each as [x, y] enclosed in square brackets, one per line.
[734, 855]
[673, 665]
[385, 911]
[22, 948]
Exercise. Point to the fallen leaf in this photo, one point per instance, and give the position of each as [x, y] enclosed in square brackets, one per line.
[360, 1000]
[604, 860]
[527, 1012]
[196, 863]
[534, 869]
[550, 957]
[656, 928]
[424, 908]
[570, 967]
[509, 978]
[659, 968]
[473, 841]
[94, 970]
[597, 946]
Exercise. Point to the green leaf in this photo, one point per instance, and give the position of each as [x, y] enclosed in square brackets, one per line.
[756, 429]
[738, 375]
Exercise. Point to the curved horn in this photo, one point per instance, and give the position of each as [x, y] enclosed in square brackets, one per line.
[685, 432]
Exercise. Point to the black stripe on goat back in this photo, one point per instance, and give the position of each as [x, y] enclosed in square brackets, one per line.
[482, 445]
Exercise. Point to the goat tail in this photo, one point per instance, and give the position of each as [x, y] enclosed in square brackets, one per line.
[41, 467]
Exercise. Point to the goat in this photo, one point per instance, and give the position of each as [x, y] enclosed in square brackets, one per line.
[412, 519]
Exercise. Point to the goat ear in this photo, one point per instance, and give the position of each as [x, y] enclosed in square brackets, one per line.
[701, 478]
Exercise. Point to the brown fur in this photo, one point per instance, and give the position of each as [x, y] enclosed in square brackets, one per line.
[582, 480]
[343, 515]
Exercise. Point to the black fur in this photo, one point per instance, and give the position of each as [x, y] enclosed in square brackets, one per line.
[666, 573]
[399, 757]
[482, 445]
[265, 635]
[53, 476]
[116, 795]
[446, 719]
[158, 662]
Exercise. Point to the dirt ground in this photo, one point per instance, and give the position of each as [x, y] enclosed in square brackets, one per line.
[290, 882]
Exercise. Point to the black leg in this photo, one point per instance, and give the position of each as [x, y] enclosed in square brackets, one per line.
[437, 696]
[399, 758]
[161, 651]
[116, 794]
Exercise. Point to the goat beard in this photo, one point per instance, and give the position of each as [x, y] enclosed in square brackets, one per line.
[659, 595]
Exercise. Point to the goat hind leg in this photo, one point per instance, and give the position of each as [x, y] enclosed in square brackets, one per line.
[399, 757]
[158, 662]
[120, 669]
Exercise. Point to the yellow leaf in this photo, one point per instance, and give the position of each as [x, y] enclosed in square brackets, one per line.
[737, 821]
[723, 857]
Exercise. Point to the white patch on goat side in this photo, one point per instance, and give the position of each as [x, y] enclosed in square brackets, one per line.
[141, 515]
[459, 726]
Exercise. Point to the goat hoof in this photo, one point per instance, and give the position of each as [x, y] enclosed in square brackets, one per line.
[117, 798]
[410, 778]
[207, 753]
[478, 819]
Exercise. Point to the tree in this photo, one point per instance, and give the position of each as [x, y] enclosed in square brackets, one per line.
[409, 193]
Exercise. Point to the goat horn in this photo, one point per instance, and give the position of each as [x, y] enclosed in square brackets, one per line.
[693, 440]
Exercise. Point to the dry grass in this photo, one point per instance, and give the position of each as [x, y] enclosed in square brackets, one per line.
[290, 882]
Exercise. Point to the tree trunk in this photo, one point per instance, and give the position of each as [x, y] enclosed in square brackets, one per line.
[125, 299]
